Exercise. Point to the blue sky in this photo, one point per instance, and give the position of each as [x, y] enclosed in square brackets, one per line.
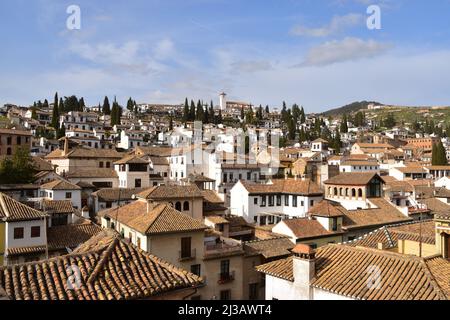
[319, 54]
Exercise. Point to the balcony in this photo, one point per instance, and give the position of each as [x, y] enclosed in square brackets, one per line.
[187, 255]
[226, 277]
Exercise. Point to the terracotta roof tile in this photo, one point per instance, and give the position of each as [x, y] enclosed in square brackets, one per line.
[286, 186]
[109, 268]
[12, 210]
[171, 192]
[60, 185]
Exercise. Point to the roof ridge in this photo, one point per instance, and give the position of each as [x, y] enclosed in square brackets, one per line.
[106, 254]
[433, 281]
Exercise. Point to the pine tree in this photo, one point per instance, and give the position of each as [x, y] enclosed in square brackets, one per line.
[130, 105]
[45, 105]
[199, 112]
[106, 107]
[302, 116]
[192, 111]
[171, 123]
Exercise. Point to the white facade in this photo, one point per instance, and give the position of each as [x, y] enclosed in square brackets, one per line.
[73, 195]
[251, 206]
[27, 240]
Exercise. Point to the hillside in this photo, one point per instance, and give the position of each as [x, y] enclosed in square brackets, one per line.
[352, 107]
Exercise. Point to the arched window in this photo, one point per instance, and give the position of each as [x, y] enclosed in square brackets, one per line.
[353, 192]
[186, 206]
[360, 193]
[330, 191]
[178, 206]
[341, 192]
[347, 192]
[8, 152]
[335, 191]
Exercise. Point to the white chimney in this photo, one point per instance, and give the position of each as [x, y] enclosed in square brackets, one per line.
[85, 212]
[304, 270]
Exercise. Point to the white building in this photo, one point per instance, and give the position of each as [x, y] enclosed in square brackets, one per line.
[268, 203]
[133, 172]
[61, 190]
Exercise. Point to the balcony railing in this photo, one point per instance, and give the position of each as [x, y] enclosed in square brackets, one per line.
[187, 255]
[226, 277]
[221, 248]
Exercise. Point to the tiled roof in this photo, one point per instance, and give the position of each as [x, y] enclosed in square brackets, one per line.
[93, 173]
[60, 185]
[389, 235]
[21, 251]
[286, 186]
[71, 236]
[131, 159]
[115, 194]
[198, 178]
[83, 153]
[270, 248]
[41, 164]
[346, 271]
[352, 178]
[305, 228]
[439, 208]
[57, 207]
[384, 214]
[217, 220]
[154, 218]
[159, 161]
[12, 210]
[327, 209]
[171, 192]
[110, 269]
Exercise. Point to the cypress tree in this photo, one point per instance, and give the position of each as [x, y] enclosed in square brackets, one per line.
[106, 107]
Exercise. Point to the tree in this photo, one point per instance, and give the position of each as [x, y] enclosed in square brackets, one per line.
[45, 105]
[61, 106]
[389, 122]
[242, 113]
[439, 157]
[81, 105]
[34, 113]
[61, 132]
[192, 111]
[186, 110]
[336, 142]
[344, 125]
[130, 105]
[106, 107]
[19, 169]
[171, 123]
[302, 116]
[199, 112]
[55, 114]
[267, 110]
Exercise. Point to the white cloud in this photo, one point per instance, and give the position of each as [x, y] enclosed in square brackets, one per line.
[164, 49]
[343, 50]
[337, 24]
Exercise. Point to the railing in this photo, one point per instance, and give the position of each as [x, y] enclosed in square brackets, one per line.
[189, 255]
[226, 277]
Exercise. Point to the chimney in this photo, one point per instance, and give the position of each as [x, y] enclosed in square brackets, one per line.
[85, 212]
[66, 146]
[304, 269]
[381, 246]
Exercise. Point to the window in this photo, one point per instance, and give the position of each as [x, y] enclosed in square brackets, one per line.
[19, 141]
[253, 291]
[225, 295]
[294, 201]
[178, 206]
[255, 200]
[271, 201]
[302, 203]
[100, 164]
[196, 269]
[311, 203]
[108, 164]
[278, 200]
[334, 224]
[249, 175]
[286, 200]
[225, 267]
[263, 201]
[138, 242]
[186, 206]
[8, 152]
[9, 141]
[35, 232]
[137, 183]
[59, 220]
[68, 195]
[185, 248]
[18, 233]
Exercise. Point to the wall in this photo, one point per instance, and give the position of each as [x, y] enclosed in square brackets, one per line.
[61, 195]
[2, 242]
[413, 248]
[27, 241]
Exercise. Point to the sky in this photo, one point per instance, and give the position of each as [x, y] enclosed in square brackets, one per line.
[317, 53]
